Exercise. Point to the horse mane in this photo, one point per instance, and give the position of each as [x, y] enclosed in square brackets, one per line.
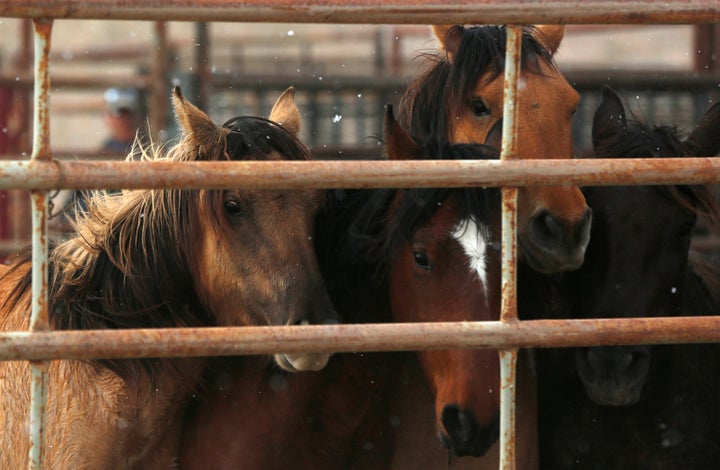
[424, 106]
[386, 218]
[642, 140]
[703, 284]
[131, 262]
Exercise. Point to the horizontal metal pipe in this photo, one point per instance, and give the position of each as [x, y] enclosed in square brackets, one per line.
[216, 341]
[372, 11]
[581, 79]
[49, 175]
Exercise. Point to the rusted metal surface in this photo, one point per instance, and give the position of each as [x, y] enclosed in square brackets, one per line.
[187, 342]
[41, 116]
[22, 174]
[39, 320]
[508, 394]
[508, 304]
[508, 310]
[371, 11]
[508, 289]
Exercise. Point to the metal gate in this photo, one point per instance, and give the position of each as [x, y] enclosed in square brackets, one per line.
[42, 173]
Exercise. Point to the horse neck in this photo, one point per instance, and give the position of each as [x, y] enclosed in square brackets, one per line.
[357, 284]
[544, 295]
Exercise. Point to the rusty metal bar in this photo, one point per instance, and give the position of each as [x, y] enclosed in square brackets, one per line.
[508, 151]
[508, 394]
[371, 11]
[508, 304]
[39, 320]
[23, 174]
[228, 341]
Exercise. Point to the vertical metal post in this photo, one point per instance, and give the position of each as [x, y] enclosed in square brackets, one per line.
[39, 317]
[508, 310]
[159, 89]
[202, 65]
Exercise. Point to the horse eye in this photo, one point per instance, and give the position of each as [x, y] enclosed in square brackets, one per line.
[232, 207]
[422, 260]
[479, 108]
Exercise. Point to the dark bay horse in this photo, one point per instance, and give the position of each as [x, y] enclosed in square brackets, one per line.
[460, 97]
[638, 407]
[386, 255]
[163, 258]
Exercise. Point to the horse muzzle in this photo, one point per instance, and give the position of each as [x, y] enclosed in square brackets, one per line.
[613, 375]
[463, 435]
[553, 245]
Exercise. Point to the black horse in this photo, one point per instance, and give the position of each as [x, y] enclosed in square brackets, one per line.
[635, 407]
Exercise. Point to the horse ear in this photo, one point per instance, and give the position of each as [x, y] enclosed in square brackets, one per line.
[609, 119]
[550, 36]
[399, 145]
[449, 37]
[704, 140]
[195, 124]
[285, 112]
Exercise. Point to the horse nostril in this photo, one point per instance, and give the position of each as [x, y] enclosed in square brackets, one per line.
[545, 229]
[639, 362]
[458, 424]
[463, 435]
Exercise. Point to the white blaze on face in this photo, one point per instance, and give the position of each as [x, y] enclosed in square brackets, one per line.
[474, 239]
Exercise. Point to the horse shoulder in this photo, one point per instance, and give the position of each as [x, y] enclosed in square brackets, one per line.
[13, 316]
[93, 419]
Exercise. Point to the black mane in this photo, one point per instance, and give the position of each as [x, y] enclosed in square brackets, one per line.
[365, 228]
[641, 140]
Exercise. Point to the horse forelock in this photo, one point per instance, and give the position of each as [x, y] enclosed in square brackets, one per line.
[254, 138]
[390, 217]
[641, 140]
[445, 85]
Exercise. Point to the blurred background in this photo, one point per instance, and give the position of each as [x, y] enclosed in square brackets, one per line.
[108, 77]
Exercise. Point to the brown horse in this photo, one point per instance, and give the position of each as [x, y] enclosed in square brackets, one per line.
[386, 255]
[163, 258]
[460, 97]
[446, 267]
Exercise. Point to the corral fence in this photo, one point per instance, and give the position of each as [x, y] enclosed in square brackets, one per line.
[42, 173]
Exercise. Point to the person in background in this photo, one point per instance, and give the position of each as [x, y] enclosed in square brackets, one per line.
[122, 117]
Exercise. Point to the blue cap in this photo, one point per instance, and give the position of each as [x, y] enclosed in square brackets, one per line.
[117, 99]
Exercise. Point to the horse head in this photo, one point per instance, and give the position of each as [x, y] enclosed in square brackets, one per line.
[461, 97]
[446, 267]
[255, 262]
[638, 256]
